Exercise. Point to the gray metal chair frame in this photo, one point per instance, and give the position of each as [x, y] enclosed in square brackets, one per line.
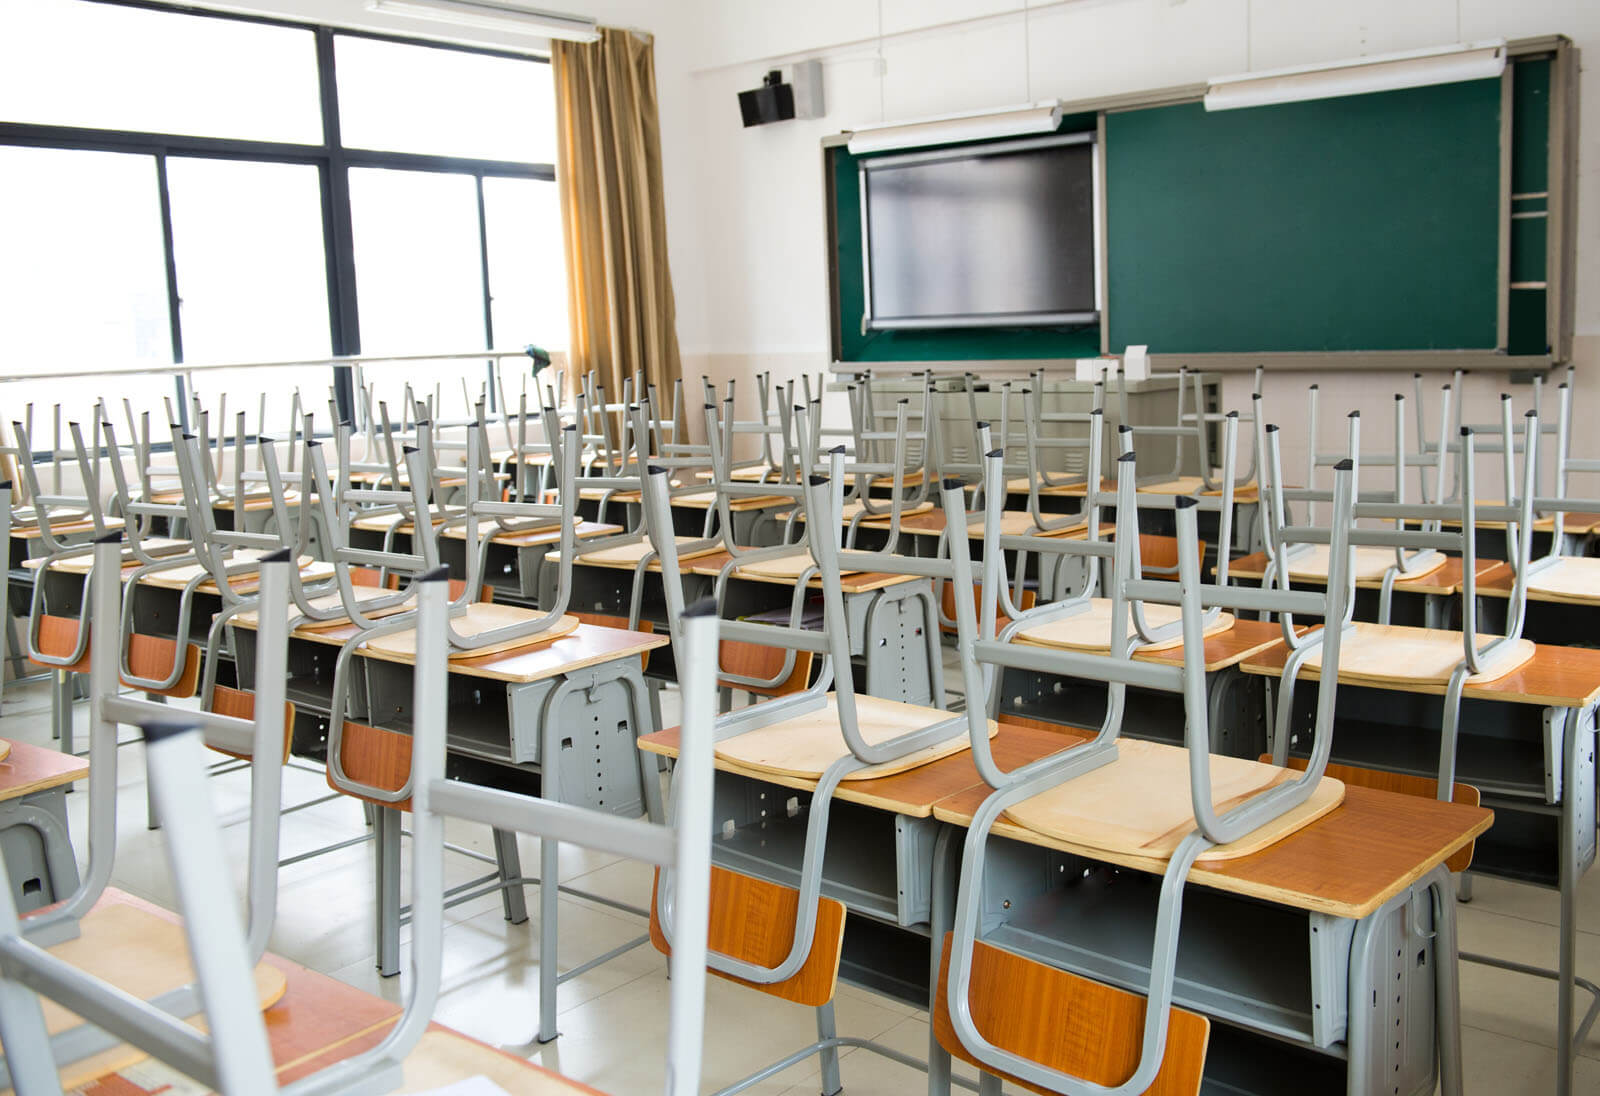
[112, 1016]
[1119, 670]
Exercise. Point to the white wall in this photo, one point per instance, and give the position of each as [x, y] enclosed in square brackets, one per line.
[760, 247]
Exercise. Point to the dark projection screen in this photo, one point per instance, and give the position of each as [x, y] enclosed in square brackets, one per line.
[982, 238]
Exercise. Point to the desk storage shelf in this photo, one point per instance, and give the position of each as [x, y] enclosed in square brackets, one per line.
[1272, 970]
[1501, 749]
[876, 862]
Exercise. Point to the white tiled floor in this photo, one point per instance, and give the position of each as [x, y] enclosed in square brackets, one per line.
[613, 1018]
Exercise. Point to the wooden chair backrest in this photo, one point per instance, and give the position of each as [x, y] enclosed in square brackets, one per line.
[148, 656]
[753, 920]
[242, 705]
[1068, 1023]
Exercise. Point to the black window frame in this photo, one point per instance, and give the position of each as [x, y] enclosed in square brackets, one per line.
[332, 159]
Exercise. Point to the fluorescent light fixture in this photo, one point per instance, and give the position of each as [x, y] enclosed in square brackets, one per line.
[1387, 72]
[505, 18]
[949, 129]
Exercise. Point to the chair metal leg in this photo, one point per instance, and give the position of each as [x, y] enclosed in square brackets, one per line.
[386, 860]
[1447, 986]
[549, 975]
[828, 1057]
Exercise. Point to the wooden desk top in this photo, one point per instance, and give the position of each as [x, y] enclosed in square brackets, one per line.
[1560, 677]
[1184, 485]
[858, 582]
[1347, 863]
[1496, 581]
[586, 645]
[1445, 579]
[28, 769]
[142, 950]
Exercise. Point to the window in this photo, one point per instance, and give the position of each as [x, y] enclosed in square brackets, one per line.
[527, 271]
[404, 98]
[71, 63]
[84, 276]
[172, 196]
[247, 241]
[418, 261]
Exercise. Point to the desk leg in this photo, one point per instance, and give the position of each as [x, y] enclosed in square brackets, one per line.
[509, 862]
[1447, 984]
[946, 855]
[1569, 901]
[386, 859]
[549, 894]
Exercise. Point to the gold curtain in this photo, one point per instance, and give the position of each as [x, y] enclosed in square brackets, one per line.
[613, 213]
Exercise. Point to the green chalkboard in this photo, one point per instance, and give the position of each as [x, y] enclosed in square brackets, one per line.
[953, 344]
[1369, 222]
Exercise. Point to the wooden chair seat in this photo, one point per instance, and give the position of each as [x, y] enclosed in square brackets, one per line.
[1140, 805]
[629, 555]
[143, 954]
[786, 568]
[1388, 654]
[802, 746]
[1369, 564]
[754, 920]
[1020, 485]
[1574, 580]
[479, 618]
[1090, 630]
[1068, 1023]
[763, 473]
[26, 517]
[851, 509]
[299, 621]
[150, 657]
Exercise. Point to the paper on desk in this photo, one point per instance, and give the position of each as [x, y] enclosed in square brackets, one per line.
[472, 1086]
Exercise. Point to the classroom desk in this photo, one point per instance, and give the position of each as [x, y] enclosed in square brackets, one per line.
[581, 700]
[1422, 601]
[319, 1021]
[1526, 740]
[33, 823]
[314, 1013]
[1236, 714]
[892, 622]
[893, 627]
[1280, 944]
[514, 561]
[1547, 619]
[753, 517]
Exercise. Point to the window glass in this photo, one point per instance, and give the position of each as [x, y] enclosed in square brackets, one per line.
[252, 274]
[401, 98]
[527, 270]
[74, 63]
[419, 272]
[83, 284]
